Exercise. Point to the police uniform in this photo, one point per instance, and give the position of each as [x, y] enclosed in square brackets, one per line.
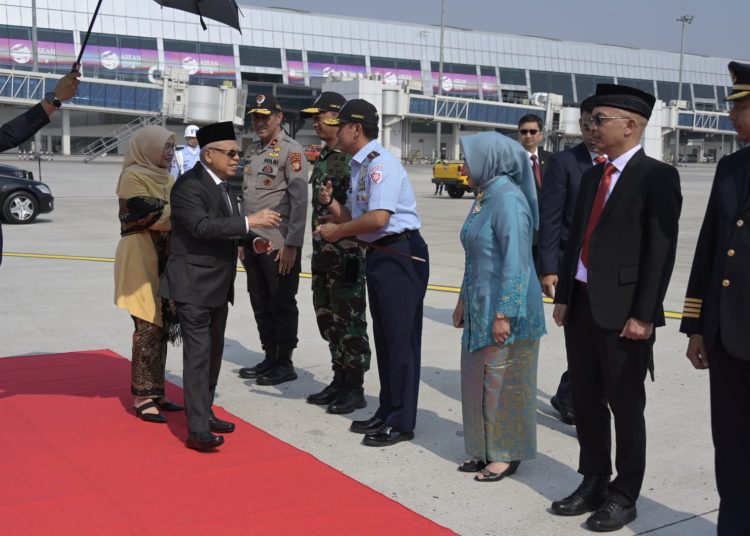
[338, 282]
[276, 178]
[716, 307]
[396, 284]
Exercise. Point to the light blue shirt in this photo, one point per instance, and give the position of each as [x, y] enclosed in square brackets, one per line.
[189, 157]
[381, 183]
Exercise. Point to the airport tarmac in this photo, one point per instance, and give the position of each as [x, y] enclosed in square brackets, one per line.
[56, 291]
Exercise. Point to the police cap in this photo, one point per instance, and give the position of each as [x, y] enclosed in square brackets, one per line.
[266, 105]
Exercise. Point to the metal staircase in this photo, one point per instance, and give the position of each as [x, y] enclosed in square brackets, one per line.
[118, 137]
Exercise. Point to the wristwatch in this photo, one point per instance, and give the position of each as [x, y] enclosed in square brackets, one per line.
[52, 99]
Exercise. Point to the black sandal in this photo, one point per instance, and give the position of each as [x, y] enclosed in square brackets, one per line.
[166, 405]
[489, 476]
[149, 417]
[471, 466]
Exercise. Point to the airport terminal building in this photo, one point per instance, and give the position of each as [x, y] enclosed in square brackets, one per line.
[147, 64]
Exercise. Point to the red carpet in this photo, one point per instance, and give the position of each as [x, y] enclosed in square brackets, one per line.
[75, 460]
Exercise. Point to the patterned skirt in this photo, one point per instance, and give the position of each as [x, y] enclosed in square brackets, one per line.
[498, 394]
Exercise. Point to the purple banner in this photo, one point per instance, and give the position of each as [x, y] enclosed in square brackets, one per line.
[111, 61]
[296, 72]
[202, 65]
[51, 56]
[464, 85]
[489, 87]
[323, 70]
[392, 77]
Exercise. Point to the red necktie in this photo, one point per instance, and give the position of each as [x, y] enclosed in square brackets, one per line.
[596, 210]
[537, 170]
[600, 159]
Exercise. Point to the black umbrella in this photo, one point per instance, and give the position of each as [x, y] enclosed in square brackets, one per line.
[224, 11]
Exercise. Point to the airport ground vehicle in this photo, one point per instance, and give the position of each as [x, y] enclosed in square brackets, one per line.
[449, 174]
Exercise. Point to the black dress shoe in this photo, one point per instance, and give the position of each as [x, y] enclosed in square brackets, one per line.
[219, 426]
[278, 374]
[326, 396]
[348, 401]
[588, 497]
[611, 516]
[565, 411]
[386, 436]
[166, 405]
[203, 441]
[157, 418]
[250, 373]
[373, 424]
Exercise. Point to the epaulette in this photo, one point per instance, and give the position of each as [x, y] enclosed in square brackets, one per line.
[373, 155]
[692, 308]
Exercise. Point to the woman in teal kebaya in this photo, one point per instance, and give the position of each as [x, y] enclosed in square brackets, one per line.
[500, 309]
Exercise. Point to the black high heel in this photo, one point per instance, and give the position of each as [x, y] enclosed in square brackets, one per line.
[489, 476]
[166, 405]
[157, 418]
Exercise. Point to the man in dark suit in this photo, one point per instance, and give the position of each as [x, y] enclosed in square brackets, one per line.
[199, 277]
[614, 275]
[717, 316]
[557, 204]
[530, 135]
[18, 130]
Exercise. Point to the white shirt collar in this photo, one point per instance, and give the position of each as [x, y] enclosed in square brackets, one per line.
[213, 175]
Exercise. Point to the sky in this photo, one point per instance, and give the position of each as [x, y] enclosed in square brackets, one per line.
[720, 27]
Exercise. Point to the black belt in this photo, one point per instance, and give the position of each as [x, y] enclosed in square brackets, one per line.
[393, 238]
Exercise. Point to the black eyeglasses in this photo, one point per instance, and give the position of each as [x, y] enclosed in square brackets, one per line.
[231, 153]
[531, 131]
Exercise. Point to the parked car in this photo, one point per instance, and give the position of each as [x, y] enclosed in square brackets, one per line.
[22, 198]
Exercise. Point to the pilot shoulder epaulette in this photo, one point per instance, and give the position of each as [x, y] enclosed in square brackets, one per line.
[373, 155]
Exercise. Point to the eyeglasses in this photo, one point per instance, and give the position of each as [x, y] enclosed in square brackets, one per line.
[599, 120]
[532, 131]
[231, 153]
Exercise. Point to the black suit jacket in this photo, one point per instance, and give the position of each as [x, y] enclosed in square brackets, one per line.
[557, 204]
[544, 157]
[203, 249]
[719, 286]
[15, 132]
[632, 249]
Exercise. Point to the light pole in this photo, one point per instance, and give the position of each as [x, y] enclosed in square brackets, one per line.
[684, 19]
[439, 130]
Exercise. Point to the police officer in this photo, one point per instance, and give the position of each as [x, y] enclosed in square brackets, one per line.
[382, 210]
[186, 158]
[275, 178]
[338, 273]
[716, 314]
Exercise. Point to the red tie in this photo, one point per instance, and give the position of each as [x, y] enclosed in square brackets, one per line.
[599, 159]
[596, 210]
[537, 170]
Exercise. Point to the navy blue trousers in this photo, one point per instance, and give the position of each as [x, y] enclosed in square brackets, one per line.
[396, 288]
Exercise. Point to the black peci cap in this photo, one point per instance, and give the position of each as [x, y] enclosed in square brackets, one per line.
[216, 132]
[741, 79]
[356, 111]
[625, 98]
[266, 105]
[328, 101]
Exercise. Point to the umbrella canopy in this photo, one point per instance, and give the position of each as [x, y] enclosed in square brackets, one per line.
[224, 11]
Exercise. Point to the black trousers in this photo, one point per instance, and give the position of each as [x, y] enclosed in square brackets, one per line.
[396, 288]
[274, 300]
[607, 372]
[202, 348]
[730, 424]
[565, 390]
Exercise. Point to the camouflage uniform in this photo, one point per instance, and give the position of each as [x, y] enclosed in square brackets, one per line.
[338, 274]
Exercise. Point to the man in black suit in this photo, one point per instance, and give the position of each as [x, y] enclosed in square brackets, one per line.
[18, 130]
[557, 204]
[614, 275]
[717, 316]
[530, 135]
[199, 277]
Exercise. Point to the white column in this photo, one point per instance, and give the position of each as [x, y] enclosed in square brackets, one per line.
[65, 131]
[455, 145]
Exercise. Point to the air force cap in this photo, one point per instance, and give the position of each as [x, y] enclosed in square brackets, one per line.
[328, 101]
[356, 111]
[741, 79]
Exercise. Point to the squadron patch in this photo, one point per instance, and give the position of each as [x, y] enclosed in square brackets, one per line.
[296, 159]
[376, 176]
